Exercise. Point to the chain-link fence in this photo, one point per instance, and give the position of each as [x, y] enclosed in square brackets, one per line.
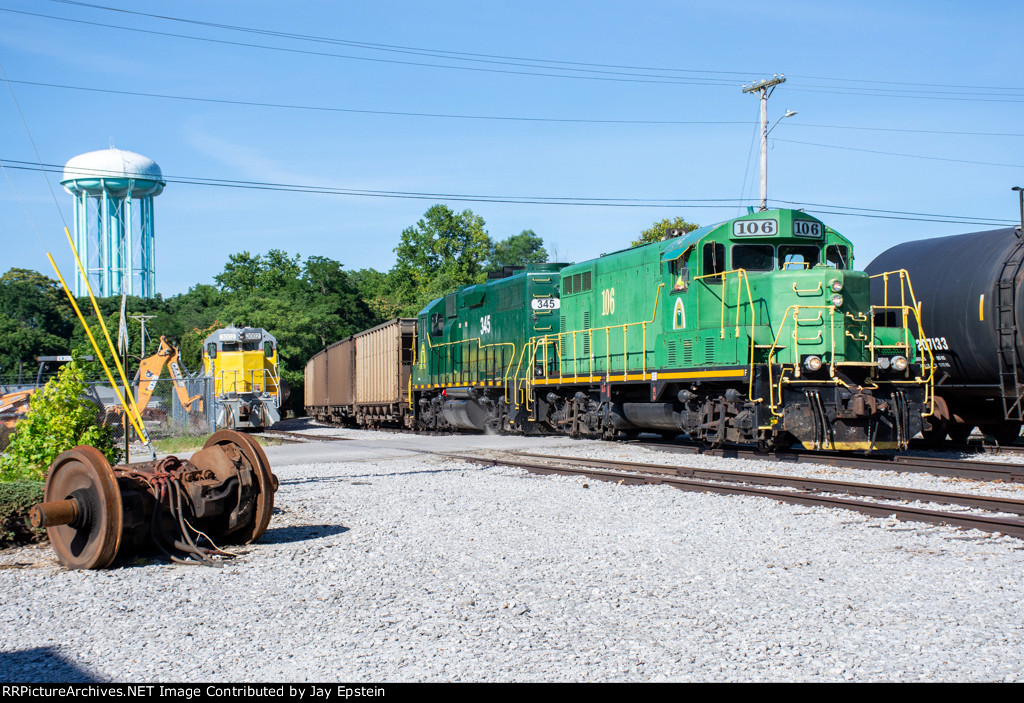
[169, 410]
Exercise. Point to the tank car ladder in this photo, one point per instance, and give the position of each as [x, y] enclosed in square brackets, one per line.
[1009, 338]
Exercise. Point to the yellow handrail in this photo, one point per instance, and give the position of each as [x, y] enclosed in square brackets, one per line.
[479, 346]
[916, 307]
[555, 339]
[775, 389]
[742, 279]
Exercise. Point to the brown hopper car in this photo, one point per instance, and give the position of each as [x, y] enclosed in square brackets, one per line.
[363, 380]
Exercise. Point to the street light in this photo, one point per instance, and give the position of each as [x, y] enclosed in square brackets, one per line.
[789, 113]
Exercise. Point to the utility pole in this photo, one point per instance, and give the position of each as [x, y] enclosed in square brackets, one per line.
[1020, 194]
[765, 88]
[142, 337]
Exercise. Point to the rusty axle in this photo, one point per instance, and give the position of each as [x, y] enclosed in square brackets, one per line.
[57, 512]
[92, 511]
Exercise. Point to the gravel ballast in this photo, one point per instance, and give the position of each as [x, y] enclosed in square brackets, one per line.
[383, 563]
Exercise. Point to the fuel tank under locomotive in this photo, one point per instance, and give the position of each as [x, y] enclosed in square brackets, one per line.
[971, 288]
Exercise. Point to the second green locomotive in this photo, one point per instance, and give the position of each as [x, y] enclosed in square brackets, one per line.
[756, 330]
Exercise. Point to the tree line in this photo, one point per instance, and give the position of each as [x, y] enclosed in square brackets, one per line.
[305, 303]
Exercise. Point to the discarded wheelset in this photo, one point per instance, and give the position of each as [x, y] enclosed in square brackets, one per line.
[223, 494]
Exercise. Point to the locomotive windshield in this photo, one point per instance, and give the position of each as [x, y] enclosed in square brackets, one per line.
[753, 257]
[798, 256]
[837, 256]
[239, 346]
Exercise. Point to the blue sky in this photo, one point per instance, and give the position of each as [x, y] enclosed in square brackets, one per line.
[935, 86]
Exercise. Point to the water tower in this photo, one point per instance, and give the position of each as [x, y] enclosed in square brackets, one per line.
[114, 192]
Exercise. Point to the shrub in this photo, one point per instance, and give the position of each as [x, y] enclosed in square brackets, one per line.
[16, 498]
[60, 417]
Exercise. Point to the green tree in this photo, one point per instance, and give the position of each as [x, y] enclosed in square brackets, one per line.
[656, 232]
[35, 319]
[520, 249]
[305, 305]
[442, 251]
[333, 300]
[60, 417]
[246, 274]
[379, 290]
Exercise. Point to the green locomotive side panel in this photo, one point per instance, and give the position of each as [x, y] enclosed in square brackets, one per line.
[476, 336]
[773, 286]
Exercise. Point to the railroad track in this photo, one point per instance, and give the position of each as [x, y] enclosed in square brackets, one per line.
[800, 491]
[301, 437]
[936, 466]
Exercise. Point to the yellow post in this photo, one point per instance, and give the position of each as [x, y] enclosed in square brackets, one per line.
[103, 324]
[136, 420]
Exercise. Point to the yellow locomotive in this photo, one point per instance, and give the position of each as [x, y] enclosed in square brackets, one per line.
[247, 385]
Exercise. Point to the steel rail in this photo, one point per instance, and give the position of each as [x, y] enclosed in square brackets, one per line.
[993, 503]
[297, 437]
[984, 523]
[985, 471]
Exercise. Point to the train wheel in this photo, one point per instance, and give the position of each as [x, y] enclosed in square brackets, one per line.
[958, 432]
[1004, 433]
[82, 480]
[267, 482]
[936, 434]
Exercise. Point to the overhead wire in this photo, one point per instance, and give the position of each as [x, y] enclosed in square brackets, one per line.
[500, 118]
[895, 153]
[575, 201]
[319, 108]
[435, 53]
[474, 56]
[612, 76]
[35, 149]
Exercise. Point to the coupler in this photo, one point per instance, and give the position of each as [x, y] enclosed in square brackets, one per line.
[223, 494]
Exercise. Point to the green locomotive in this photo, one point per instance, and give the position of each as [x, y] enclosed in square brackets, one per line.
[754, 331]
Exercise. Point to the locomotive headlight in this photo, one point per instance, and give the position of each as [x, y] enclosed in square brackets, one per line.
[883, 362]
[836, 285]
[836, 300]
[812, 363]
[899, 363]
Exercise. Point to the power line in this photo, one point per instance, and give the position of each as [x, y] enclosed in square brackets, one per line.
[614, 77]
[906, 130]
[320, 108]
[470, 56]
[35, 149]
[894, 153]
[438, 53]
[495, 118]
[620, 75]
[846, 91]
[575, 201]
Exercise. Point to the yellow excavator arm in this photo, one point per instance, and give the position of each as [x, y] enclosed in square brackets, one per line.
[149, 374]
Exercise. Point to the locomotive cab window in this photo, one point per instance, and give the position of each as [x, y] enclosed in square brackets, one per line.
[268, 349]
[436, 324]
[680, 269]
[713, 260]
[211, 350]
[837, 256]
[753, 257]
[798, 256]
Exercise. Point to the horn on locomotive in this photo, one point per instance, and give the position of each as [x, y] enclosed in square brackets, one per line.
[92, 511]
